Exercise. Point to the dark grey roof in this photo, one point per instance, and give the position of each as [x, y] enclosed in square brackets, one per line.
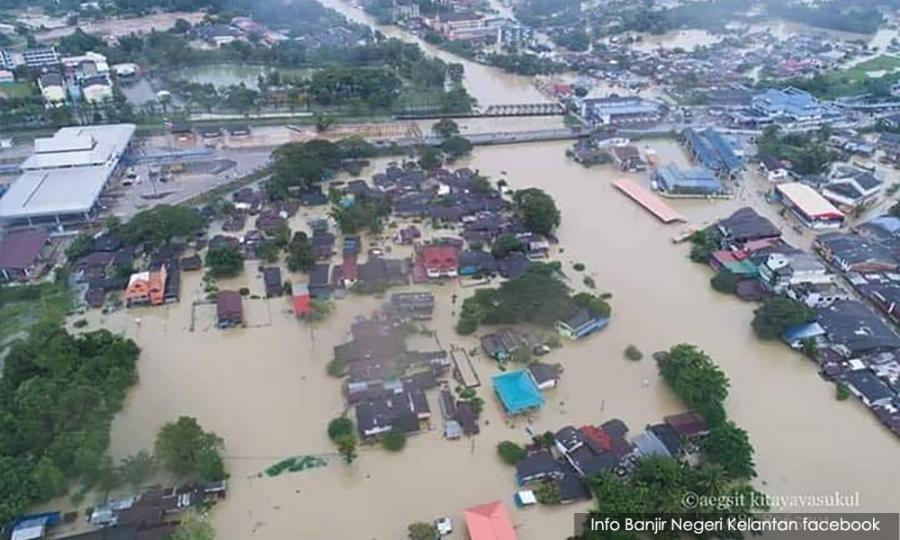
[537, 466]
[746, 224]
[867, 384]
[544, 372]
[855, 326]
[615, 428]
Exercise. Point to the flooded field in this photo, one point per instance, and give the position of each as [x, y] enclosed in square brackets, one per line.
[265, 391]
[224, 75]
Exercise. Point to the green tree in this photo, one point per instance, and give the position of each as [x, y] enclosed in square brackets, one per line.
[692, 375]
[161, 224]
[300, 253]
[421, 531]
[729, 447]
[194, 527]
[430, 158]
[548, 493]
[510, 452]
[456, 146]
[81, 245]
[506, 244]
[445, 127]
[340, 427]
[724, 282]
[394, 441]
[841, 391]
[538, 209]
[778, 314]
[225, 261]
[137, 468]
[347, 448]
[189, 452]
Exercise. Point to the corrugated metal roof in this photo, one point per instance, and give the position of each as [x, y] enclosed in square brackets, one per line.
[808, 200]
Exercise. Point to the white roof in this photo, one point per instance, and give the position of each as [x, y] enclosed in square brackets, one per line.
[808, 200]
[28, 533]
[81, 146]
[54, 192]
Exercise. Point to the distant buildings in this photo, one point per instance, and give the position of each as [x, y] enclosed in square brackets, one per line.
[788, 107]
[53, 89]
[463, 25]
[32, 58]
[512, 35]
[619, 111]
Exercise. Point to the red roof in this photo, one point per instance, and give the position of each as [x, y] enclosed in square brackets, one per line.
[725, 256]
[440, 257]
[489, 521]
[301, 304]
[19, 249]
[349, 269]
[597, 437]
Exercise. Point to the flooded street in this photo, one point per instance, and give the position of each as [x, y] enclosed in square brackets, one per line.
[489, 85]
[265, 391]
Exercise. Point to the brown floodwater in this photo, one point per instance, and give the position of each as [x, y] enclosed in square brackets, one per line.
[265, 391]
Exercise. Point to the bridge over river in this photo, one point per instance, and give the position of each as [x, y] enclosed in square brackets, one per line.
[492, 111]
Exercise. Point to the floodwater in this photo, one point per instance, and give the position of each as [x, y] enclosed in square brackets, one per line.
[490, 86]
[265, 391]
[224, 75]
[688, 40]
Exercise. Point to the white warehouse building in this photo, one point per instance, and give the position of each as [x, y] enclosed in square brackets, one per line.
[64, 177]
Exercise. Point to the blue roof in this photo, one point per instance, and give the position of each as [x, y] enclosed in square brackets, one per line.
[713, 150]
[517, 390]
[790, 102]
[803, 331]
[890, 224]
[724, 149]
[697, 180]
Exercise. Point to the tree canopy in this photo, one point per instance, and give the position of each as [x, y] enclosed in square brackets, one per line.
[189, 452]
[161, 224]
[692, 375]
[58, 395]
[225, 261]
[729, 447]
[778, 314]
[538, 296]
[538, 209]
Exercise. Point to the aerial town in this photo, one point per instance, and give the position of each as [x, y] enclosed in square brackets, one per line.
[464, 269]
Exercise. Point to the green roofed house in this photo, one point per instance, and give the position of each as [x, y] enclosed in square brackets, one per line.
[517, 391]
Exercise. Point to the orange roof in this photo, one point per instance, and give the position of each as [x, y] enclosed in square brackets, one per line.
[489, 521]
[651, 202]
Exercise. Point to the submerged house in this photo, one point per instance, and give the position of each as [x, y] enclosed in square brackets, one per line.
[581, 323]
[489, 521]
[517, 391]
[20, 254]
[440, 261]
[272, 281]
[229, 310]
[147, 288]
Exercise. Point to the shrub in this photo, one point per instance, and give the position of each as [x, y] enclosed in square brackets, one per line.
[394, 441]
[589, 282]
[579, 267]
[633, 353]
[336, 368]
[510, 452]
[841, 392]
[340, 427]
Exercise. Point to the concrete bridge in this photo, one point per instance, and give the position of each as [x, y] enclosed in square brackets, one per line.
[492, 111]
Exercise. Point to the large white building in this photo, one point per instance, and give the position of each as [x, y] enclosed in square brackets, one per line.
[66, 174]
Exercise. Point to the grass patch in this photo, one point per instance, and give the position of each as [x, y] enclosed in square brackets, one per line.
[23, 307]
[17, 90]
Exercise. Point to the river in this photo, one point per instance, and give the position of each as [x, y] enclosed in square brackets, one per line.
[490, 86]
[265, 391]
